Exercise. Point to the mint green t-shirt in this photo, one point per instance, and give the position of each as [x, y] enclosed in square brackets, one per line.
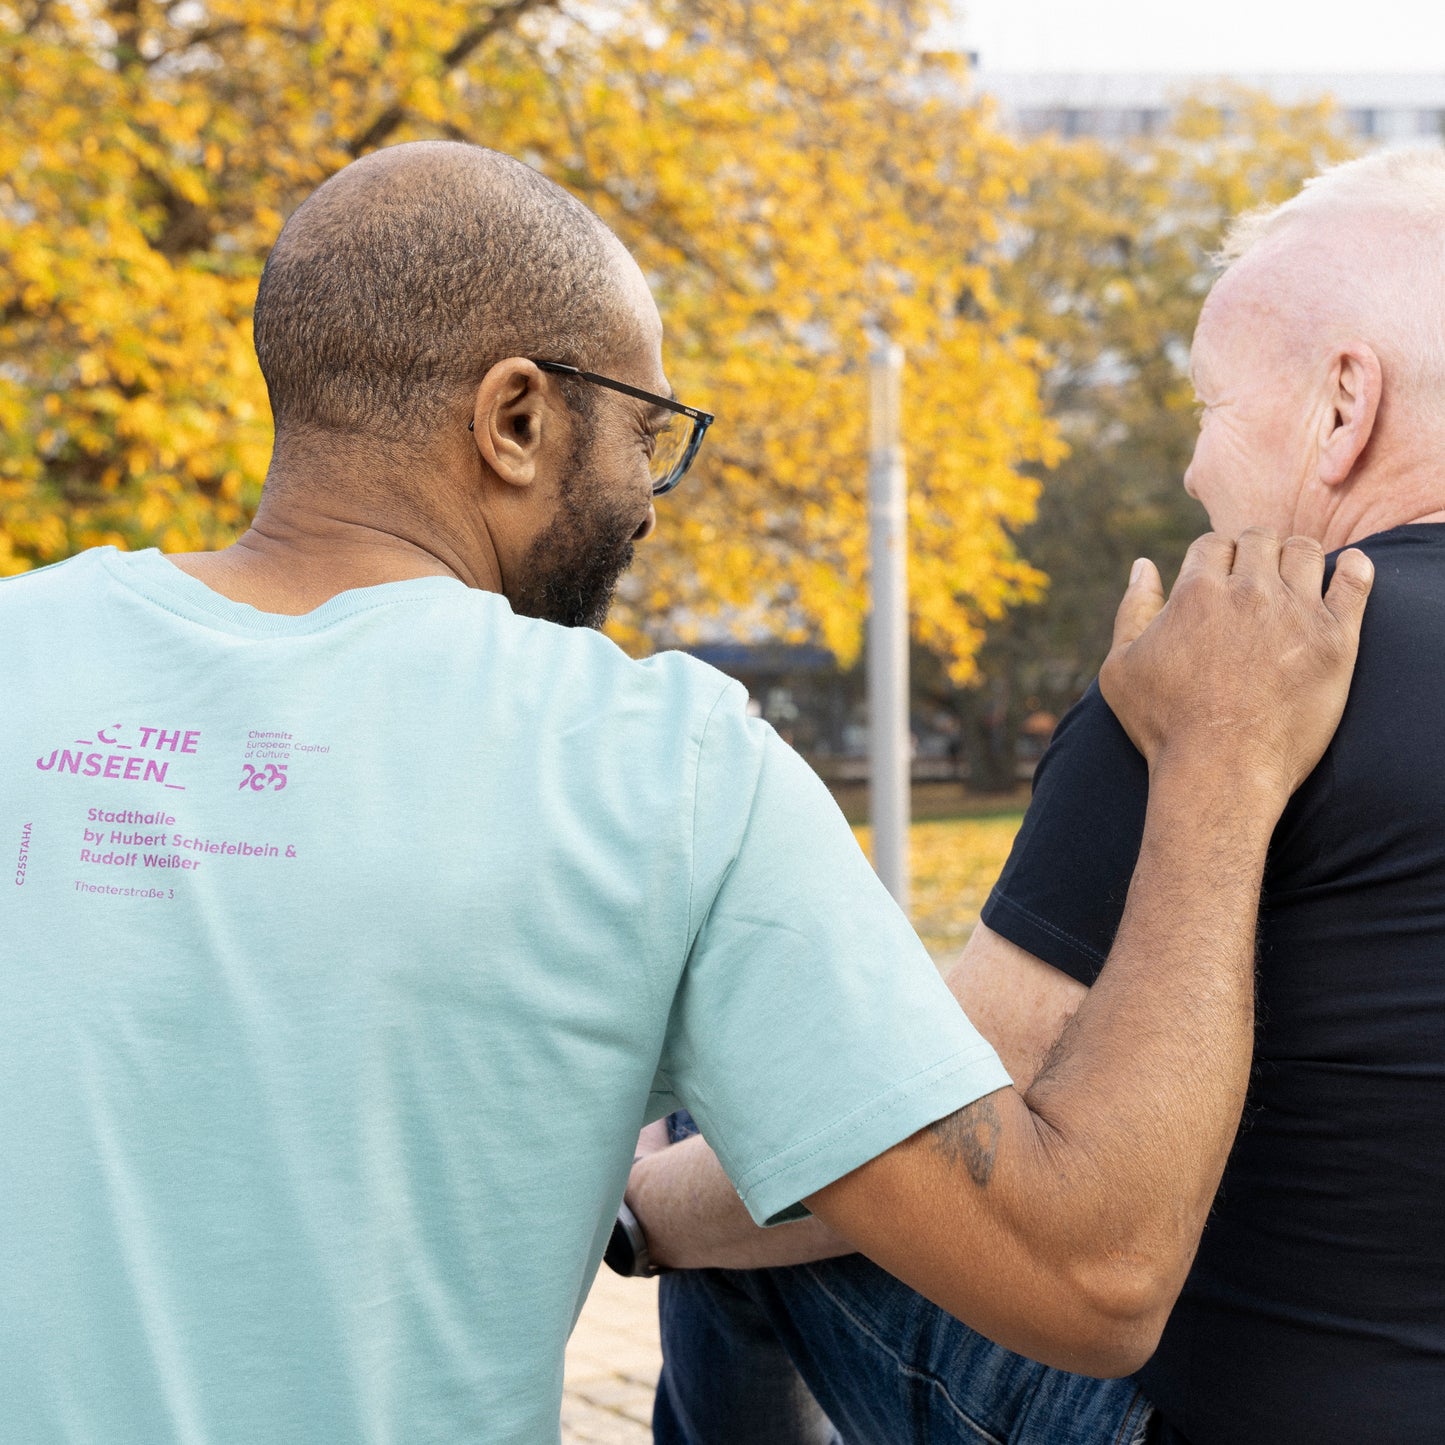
[342, 957]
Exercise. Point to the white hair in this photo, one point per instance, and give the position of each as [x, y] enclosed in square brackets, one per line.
[1384, 216]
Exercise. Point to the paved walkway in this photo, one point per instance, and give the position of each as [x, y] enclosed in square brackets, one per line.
[612, 1364]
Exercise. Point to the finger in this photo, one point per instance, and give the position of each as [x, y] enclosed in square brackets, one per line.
[1256, 555]
[1350, 588]
[1141, 602]
[1209, 553]
[1302, 566]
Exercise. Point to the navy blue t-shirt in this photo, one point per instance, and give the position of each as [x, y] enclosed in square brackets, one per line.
[1315, 1311]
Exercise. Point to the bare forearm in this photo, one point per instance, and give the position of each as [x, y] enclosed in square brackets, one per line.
[1098, 1178]
[693, 1218]
[1111, 1159]
[1139, 1102]
[1086, 1195]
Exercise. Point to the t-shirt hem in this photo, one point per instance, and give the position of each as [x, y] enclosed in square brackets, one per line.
[771, 1190]
[1045, 940]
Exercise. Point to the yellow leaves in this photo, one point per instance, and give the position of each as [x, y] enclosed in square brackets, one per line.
[838, 233]
[954, 863]
[770, 165]
[123, 348]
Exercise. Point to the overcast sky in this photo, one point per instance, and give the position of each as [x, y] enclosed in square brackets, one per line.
[1207, 36]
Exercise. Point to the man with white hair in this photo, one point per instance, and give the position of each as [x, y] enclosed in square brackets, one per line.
[1315, 1308]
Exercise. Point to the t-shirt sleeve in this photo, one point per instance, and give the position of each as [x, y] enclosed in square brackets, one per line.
[810, 1031]
[1061, 893]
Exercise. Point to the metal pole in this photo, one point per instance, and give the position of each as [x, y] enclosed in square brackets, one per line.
[889, 744]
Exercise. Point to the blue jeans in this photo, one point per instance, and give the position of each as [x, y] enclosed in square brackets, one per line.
[783, 1356]
[840, 1351]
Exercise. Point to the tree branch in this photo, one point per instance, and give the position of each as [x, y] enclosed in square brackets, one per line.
[38, 17]
[465, 46]
[201, 37]
[187, 226]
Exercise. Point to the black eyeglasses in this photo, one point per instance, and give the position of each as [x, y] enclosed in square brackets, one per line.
[676, 445]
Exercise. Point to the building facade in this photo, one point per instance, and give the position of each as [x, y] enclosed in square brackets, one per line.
[1381, 109]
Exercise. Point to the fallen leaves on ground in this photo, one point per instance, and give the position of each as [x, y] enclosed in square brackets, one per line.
[954, 864]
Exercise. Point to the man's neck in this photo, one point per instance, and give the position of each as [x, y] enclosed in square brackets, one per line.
[1375, 520]
[298, 554]
[1398, 487]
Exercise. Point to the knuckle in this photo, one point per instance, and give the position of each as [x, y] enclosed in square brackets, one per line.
[1249, 593]
[1190, 585]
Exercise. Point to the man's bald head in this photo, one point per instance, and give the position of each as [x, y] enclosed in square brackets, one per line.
[1319, 358]
[1358, 254]
[401, 281]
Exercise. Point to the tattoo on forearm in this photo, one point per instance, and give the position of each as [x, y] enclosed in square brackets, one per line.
[970, 1137]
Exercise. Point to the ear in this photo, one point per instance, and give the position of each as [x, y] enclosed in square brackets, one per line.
[513, 419]
[1351, 407]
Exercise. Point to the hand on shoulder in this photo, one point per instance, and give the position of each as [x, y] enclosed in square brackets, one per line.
[1242, 675]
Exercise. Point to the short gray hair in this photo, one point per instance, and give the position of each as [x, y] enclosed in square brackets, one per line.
[398, 284]
[1407, 183]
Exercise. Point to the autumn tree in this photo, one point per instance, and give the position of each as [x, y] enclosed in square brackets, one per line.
[787, 174]
[1112, 263]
